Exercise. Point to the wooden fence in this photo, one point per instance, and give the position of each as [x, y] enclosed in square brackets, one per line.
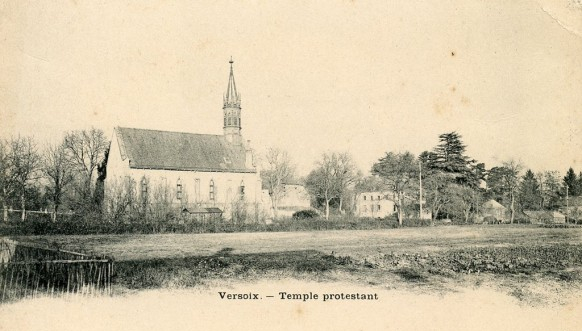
[30, 270]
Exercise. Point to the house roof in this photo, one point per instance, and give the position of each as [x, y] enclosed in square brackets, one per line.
[493, 204]
[153, 149]
[543, 214]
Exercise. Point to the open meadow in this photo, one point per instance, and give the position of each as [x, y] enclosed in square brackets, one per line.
[455, 277]
[534, 264]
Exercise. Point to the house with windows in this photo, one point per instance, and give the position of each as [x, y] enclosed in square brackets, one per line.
[375, 204]
[194, 173]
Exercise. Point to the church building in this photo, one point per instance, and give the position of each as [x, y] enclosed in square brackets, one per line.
[197, 173]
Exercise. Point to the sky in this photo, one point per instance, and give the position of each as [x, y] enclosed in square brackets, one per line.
[366, 77]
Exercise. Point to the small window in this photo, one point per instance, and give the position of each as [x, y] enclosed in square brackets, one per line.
[372, 208]
[211, 193]
[179, 189]
[242, 189]
[378, 197]
[378, 207]
[239, 121]
[372, 197]
[224, 120]
[395, 208]
[235, 121]
[364, 198]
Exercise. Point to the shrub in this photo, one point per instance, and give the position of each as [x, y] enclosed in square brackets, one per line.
[304, 214]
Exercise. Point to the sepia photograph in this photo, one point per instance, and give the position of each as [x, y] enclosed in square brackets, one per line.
[291, 165]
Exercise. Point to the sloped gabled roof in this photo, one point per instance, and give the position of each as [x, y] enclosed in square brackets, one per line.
[152, 149]
[492, 204]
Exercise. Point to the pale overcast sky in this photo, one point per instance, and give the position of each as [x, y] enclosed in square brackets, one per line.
[360, 76]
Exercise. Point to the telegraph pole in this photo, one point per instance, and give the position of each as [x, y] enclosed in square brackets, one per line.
[420, 190]
[567, 207]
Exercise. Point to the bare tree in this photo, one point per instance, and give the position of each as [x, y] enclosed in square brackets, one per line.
[25, 162]
[7, 180]
[86, 149]
[277, 171]
[347, 175]
[322, 182]
[57, 168]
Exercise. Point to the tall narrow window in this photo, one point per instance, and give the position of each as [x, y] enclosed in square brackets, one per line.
[242, 189]
[144, 187]
[225, 121]
[211, 193]
[179, 189]
[239, 121]
[144, 191]
[364, 198]
[197, 188]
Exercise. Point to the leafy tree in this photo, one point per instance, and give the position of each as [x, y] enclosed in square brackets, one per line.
[529, 192]
[449, 157]
[572, 182]
[463, 201]
[278, 170]
[400, 172]
[552, 189]
[504, 181]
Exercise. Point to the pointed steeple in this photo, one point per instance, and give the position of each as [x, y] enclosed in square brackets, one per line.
[232, 111]
[231, 98]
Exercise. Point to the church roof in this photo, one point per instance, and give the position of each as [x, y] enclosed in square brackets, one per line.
[153, 149]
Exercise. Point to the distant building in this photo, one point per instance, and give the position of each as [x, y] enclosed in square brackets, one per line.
[492, 208]
[374, 204]
[201, 173]
[545, 217]
[294, 198]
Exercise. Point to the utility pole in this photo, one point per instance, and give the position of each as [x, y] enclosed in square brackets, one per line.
[567, 207]
[420, 189]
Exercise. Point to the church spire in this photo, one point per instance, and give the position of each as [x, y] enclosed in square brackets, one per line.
[232, 111]
[231, 98]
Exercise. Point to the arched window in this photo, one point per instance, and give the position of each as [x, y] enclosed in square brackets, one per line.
[179, 189]
[211, 192]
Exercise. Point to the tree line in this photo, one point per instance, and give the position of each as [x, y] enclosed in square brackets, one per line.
[67, 174]
[452, 184]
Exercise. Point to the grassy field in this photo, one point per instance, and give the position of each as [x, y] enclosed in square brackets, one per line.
[535, 265]
[354, 243]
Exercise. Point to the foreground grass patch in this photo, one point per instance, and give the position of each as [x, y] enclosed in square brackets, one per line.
[191, 271]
